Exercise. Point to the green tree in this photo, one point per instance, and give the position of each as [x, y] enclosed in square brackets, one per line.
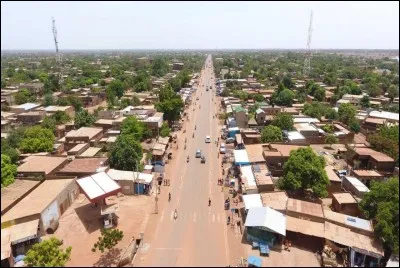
[132, 126]
[49, 123]
[258, 97]
[319, 94]
[10, 151]
[393, 91]
[347, 112]
[48, 253]
[8, 171]
[331, 114]
[354, 125]
[305, 170]
[135, 101]
[23, 96]
[48, 100]
[109, 238]
[84, 119]
[15, 137]
[386, 140]
[328, 128]
[287, 82]
[61, 117]
[170, 104]
[159, 67]
[75, 101]
[271, 134]
[284, 121]
[165, 130]
[125, 153]
[331, 139]
[381, 204]
[37, 139]
[364, 102]
[117, 87]
[314, 109]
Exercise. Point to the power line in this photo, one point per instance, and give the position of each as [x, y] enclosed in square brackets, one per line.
[58, 55]
[307, 61]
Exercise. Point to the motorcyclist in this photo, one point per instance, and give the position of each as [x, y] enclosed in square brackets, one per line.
[195, 127]
[169, 196]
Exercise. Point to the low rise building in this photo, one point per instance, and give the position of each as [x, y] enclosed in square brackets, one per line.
[345, 203]
[40, 166]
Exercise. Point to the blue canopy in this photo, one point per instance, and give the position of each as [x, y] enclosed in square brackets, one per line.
[254, 261]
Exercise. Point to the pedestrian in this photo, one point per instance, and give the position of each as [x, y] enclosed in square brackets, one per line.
[209, 202]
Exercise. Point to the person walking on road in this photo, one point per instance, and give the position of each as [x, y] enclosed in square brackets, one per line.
[209, 201]
[169, 196]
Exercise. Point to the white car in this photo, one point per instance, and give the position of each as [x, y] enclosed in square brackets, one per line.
[208, 139]
[222, 149]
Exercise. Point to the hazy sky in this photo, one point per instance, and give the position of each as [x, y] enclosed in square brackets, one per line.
[199, 25]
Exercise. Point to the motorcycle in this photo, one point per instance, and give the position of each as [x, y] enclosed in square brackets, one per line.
[187, 159]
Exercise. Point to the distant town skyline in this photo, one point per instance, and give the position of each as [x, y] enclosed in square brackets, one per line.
[199, 25]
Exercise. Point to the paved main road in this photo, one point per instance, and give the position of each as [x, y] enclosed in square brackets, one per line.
[198, 237]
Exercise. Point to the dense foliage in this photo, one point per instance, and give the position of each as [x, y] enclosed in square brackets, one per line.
[37, 139]
[8, 171]
[47, 253]
[381, 204]
[271, 134]
[109, 238]
[125, 153]
[305, 170]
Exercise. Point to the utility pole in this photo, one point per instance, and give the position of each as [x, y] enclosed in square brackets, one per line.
[58, 55]
[307, 61]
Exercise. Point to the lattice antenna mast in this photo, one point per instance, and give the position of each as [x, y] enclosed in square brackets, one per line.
[58, 54]
[307, 61]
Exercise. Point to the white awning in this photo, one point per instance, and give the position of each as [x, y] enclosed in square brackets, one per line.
[97, 186]
[266, 218]
[252, 201]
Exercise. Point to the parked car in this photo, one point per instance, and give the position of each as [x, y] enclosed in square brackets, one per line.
[208, 139]
[230, 140]
[198, 153]
[222, 149]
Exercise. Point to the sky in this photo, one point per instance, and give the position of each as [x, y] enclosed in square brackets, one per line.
[199, 25]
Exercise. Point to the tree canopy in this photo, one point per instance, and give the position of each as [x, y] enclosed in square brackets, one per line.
[109, 238]
[381, 204]
[331, 139]
[386, 140]
[284, 121]
[24, 96]
[170, 103]
[271, 134]
[84, 119]
[165, 131]
[125, 153]
[47, 253]
[132, 126]
[37, 139]
[8, 171]
[347, 112]
[117, 88]
[305, 170]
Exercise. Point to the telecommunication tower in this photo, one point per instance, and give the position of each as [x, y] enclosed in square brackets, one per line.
[58, 54]
[307, 61]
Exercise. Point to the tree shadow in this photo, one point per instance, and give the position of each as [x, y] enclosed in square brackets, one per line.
[110, 258]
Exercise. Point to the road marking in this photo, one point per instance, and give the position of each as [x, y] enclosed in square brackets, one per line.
[168, 248]
[218, 218]
[194, 217]
[172, 215]
[213, 218]
[162, 216]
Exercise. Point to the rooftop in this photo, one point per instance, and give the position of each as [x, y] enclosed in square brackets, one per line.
[349, 221]
[84, 132]
[84, 165]
[385, 115]
[304, 207]
[255, 153]
[378, 156]
[366, 173]
[280, 149]
[98, 186]
[347, 237]
[90, 152]
[38, 200]
[15, 191]
[41, 164]
[307, 227]
[275, 200]
[357, 183]
[26, 106]
[332, 176]
[344, 198]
